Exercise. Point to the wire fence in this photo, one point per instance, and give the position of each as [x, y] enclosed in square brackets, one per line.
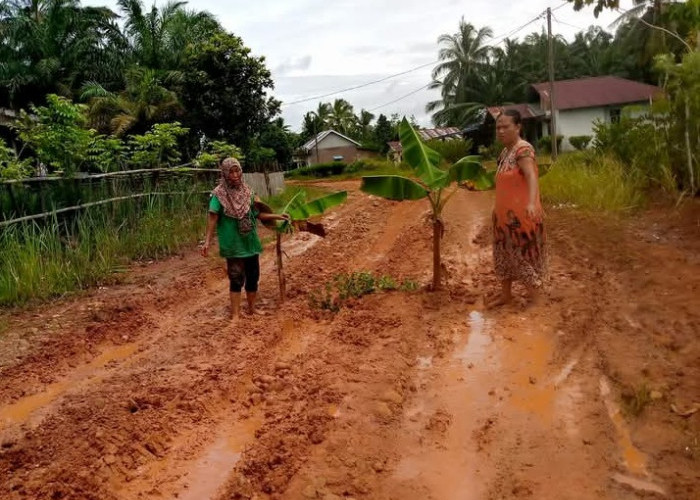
[37, 198]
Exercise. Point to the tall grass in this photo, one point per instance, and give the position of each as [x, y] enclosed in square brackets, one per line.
[39, 261]
[593, 182]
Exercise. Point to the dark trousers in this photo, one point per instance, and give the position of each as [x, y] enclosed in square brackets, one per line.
[243, 271]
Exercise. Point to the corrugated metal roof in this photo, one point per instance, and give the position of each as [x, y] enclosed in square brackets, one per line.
[437, 133]
[597, 91]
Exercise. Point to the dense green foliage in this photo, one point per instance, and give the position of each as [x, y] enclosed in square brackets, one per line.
[472, 73]
[166, 64]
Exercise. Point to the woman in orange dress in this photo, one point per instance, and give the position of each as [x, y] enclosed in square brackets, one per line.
[519, 238]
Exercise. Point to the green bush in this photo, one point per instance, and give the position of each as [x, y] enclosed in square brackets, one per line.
[158, 146]
[370, 165]
[544, 144]
[640, 144]
[580, 142]
[319, 170]
[451, 150]
[10, 166]
[592, 181]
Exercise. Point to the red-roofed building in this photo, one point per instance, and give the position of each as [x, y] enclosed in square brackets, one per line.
[580, 103]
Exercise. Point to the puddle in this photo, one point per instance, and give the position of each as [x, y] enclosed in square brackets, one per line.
[639, 484]
[424, 363]
[475, 350]
[114, 354]
[20, 411]
[634, 459]
[212, 470]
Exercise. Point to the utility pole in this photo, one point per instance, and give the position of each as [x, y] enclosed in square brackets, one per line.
[552, 111]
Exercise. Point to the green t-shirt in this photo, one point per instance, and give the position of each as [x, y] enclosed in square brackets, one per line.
[231, 242]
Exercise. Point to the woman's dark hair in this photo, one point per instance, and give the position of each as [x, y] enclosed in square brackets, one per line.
[514, 114]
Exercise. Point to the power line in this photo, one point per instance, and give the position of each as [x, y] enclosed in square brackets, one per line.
[401, 98]
[569, 24]
[348, 89]
[374, 82]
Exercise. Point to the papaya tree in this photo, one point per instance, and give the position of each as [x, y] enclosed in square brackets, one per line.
[299, 211]
[431, 181]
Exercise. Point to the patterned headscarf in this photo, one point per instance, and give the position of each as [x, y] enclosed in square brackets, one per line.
[234, 200]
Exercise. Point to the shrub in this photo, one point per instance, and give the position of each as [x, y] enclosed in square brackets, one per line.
[158, 146]
[12, 167]
[451, 150]
[319, 170]
[640, 144]
[580, 142]
[544, 144]
[57, 135]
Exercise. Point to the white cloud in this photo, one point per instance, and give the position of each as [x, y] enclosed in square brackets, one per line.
[314, 46]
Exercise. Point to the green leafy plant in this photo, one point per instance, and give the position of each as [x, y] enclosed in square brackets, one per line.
[544, 144]
[56, 134]
[300, 211]
[216, 151]
[158, 146]
[107, 153]
[354, 285]
[12, 167]
[431, 182]
[451, 150]
[580, 142]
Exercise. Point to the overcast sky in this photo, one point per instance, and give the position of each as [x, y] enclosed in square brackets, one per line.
[315, 47]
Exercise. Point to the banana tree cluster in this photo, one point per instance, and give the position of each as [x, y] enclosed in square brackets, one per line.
[300, 211]
[432, 182]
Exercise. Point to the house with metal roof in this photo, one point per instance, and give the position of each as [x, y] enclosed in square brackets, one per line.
[581, 102]
[329, 146]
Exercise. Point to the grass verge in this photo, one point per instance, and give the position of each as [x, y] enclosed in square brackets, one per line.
[593, 182]
[59, 256]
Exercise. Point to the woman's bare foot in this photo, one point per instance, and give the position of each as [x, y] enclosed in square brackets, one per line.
[497, 300]
[257, 312]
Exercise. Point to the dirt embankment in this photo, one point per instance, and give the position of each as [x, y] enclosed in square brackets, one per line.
[144, 390]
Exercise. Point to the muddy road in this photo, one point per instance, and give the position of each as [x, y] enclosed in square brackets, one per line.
[143, 390]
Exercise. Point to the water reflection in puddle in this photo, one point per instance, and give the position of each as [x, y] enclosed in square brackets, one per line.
[479, 340]
[211, 471]
[635, 460]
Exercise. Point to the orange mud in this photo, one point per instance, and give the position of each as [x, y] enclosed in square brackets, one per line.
[143, 390]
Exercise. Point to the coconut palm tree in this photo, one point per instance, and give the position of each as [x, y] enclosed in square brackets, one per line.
[144, 101]
[159, 37]
[51, 45]
[342, 117]
[463, 55]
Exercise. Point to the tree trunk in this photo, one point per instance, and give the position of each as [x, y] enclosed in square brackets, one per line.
[437, 236]
[280, 271]
[689, 150]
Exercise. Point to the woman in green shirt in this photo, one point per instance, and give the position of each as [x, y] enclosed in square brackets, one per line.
[232, 212]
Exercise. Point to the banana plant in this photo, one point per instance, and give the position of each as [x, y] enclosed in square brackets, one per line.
[431, 182]
[300, 211]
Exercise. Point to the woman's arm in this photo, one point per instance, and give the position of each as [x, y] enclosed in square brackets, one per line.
[527, 166]
[212, 219]
[264, 217]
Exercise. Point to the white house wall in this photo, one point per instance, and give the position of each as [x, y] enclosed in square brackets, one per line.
[578, 122]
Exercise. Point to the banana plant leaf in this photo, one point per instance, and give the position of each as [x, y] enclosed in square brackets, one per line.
[468, 168]
[393, 187]
[302, 211]
[424, 160]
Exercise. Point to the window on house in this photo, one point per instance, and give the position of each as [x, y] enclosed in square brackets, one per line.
[615, 114]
